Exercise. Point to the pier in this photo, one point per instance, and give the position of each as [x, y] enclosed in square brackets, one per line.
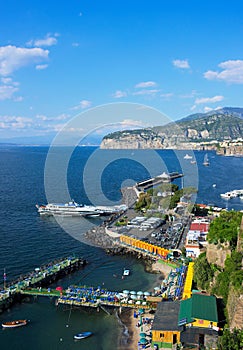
[163, 178]
[40, 277]
[99, 297]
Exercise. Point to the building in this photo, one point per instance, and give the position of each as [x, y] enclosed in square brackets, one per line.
[192, 322]
[199, 318]
[165, 329]
[196, 237]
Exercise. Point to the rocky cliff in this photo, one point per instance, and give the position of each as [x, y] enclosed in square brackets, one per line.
[202, 133]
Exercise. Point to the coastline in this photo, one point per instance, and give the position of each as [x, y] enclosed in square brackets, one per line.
[129, 335]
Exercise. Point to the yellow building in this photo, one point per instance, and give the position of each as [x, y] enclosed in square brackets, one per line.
[165, 329]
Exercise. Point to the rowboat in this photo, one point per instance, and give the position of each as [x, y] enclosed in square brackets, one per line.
[14, 324]
[82, 335]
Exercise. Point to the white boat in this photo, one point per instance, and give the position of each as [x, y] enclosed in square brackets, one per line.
[206, 161]
[82, 335]
[14, 324]
[126, 272]
[187, 156]
[74, 209]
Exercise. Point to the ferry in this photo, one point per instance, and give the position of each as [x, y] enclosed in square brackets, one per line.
[232, 194]
[74, 209]
[14, 324]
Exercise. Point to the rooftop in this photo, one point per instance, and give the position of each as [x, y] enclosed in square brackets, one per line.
[166, 316]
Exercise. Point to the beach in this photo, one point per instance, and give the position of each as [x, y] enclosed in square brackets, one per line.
[132, 327]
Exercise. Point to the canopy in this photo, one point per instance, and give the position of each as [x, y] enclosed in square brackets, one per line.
[59, 288]
[143, 341]
[143, 335]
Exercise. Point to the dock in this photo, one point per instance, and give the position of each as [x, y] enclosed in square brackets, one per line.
[40, 277]
[99, 297]
[154, 181]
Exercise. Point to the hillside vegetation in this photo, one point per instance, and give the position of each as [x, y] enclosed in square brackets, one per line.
[216, 127]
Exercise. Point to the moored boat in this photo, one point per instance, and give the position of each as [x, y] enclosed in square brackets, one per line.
[74, 209]
[14, 324]
[82, 335]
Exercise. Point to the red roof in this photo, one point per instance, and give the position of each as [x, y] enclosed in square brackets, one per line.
[199, 226]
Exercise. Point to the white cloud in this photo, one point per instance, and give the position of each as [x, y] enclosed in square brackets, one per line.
[167, 96]
[146, 92]
[119, 94]
[232, 72]
[13, 58]
[41, 66]
[18, 99]
[15, 122]
[59, 117]
[209, 99]
[209, 109]
[145, 84]
[7, 91]
[82, 105]
[184, 64]
[49, 40]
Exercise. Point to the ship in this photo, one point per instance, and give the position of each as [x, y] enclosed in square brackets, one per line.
[74, 209]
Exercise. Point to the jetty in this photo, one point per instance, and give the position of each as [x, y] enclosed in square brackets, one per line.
[99, 297]
[154, 181]
[40, 277]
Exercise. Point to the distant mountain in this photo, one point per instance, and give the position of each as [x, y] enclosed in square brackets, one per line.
[221, 125]
[234, 111]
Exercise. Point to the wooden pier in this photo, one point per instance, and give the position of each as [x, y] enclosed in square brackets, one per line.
[40, 277]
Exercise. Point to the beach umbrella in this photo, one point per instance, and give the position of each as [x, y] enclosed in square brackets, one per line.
[133, 292]
[156, 288]
[143, 335]
[125, 291]
[133, 297]
[59, 288]
[143, 341]
[146, 294]
[140, 293]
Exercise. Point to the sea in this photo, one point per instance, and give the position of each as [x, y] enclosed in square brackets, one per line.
[36, 175]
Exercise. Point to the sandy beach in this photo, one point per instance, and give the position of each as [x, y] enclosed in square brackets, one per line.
[130, 340]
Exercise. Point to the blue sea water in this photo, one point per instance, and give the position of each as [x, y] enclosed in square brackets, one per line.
[93, 176]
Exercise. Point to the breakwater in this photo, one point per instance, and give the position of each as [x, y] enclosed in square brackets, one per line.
[40, 277]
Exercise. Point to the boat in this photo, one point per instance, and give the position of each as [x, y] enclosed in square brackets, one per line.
[187, 156]
[193, 162]
[74, 209]
[206, 161]
[82, 335]
[126, 272]
[14, 324]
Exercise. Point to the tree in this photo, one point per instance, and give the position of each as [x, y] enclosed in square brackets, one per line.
[231, 340]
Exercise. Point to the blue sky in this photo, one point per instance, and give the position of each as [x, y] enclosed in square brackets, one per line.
[59, 59]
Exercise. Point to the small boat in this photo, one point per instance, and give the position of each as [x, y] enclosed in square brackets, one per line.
[126, 272]
[193, 162]
[82, 335]
[14, 324]
[206, 161]
[187, 156]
